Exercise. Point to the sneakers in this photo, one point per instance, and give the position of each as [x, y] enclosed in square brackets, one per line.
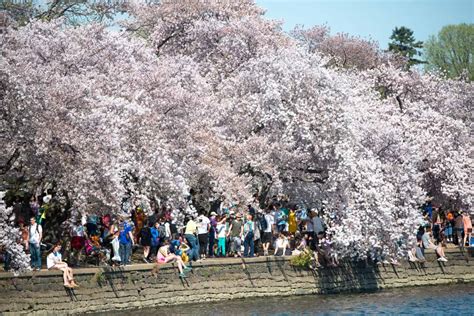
[442, 259]
[182, 275]
[394, 262]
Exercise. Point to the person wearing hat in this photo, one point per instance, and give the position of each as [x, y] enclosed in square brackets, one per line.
[235, 233]
[248, 233]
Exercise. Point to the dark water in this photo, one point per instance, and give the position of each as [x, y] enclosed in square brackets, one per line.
[432, 300]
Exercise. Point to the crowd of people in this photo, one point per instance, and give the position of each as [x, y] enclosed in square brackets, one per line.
[440, 229]
[278, 230]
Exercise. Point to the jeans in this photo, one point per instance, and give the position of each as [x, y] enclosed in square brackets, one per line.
[459, 233]
[194, 245]
[248, 245]
[420, 254]
[211, 242]
[125, 253]
[35, 253]
[281, 227]
[7, 261]
[448, 231]
[236, 244]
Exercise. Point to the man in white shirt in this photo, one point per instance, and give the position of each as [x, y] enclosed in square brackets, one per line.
[35, 235]
[203, 224]
[268, 232]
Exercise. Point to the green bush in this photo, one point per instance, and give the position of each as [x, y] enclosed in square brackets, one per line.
[99, 277]
[303, 260]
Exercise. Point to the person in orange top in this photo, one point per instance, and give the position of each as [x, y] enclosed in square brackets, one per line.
[139, 219]
[448, 228]
[25, 235]
[466, 218]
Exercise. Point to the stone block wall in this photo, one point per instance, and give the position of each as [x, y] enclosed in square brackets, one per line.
[139, 286]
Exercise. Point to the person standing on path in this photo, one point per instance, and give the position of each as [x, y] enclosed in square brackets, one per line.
[467, 225]
[268, 230]
[248, 236]
[145, 240]
[292, 224]
[126, 242]
[459, 228]
[221, 236]
[190, 235]
[235, 233]
[204, 224]
[35, 232]
[212, 233]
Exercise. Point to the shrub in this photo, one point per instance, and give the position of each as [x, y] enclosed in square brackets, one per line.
[303, 260]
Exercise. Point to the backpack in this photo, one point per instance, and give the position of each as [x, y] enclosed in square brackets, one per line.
[162, 231]
[263, 223]
[303, 215]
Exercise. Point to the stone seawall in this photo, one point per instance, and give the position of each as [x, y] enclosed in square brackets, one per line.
[138, 286]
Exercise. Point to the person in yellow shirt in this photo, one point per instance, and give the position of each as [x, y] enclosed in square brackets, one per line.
[292, 225]
[190, 235]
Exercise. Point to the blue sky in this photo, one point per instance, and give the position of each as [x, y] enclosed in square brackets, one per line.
[372, 18]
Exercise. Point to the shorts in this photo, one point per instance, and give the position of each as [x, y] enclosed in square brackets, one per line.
[160, 258]
[267, 237]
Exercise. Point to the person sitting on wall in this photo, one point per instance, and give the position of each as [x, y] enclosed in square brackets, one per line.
[164, 256]
[54, 262]
[428, 244]
[281, 245]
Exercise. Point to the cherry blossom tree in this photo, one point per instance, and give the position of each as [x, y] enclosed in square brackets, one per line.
[210, 101]
[343, 50]
[9, 239]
